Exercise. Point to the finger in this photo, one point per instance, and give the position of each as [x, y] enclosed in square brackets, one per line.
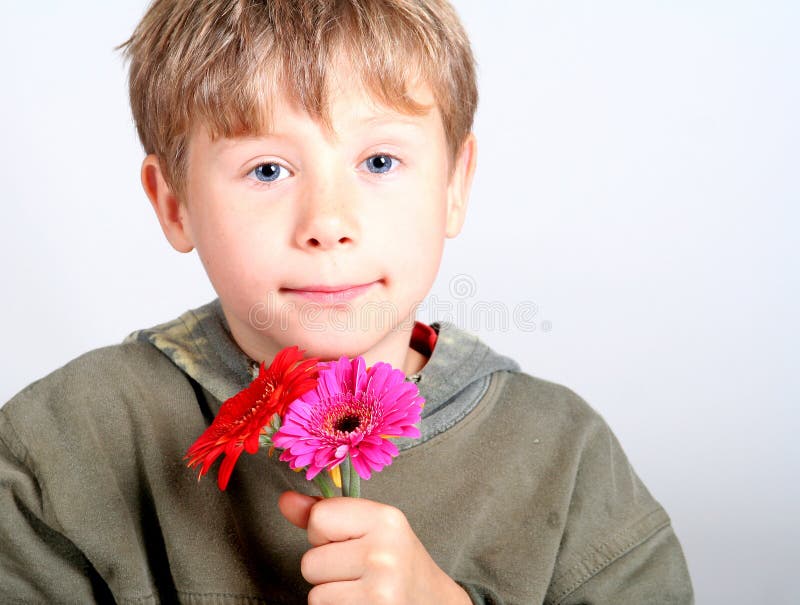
[333, 562]
[336, 593]
[296, 507]
[339, 519]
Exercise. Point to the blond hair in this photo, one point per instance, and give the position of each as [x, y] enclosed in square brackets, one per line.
[220, 63]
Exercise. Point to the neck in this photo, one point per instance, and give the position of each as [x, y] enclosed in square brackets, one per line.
[414, 362]
[393, 348]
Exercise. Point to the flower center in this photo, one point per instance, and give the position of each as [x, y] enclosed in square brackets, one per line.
[261, 401]
[345, 415]
[347, 423]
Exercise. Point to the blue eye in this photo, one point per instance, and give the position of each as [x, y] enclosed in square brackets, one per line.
[269, 172]
[379, 164]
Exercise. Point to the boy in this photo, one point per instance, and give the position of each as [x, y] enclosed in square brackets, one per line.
[316, 154]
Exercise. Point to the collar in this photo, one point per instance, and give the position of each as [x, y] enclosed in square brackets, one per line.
[456, 376]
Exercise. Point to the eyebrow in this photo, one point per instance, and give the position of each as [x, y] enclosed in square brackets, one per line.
[380, 119]
[369, 121]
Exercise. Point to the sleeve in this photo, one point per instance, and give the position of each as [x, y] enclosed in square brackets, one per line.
[652, 572]
[618, 546]
[37, 563]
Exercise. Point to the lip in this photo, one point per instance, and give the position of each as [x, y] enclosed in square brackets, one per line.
[330, 294]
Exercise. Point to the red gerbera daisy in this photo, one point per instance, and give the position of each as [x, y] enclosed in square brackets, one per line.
[242, 418]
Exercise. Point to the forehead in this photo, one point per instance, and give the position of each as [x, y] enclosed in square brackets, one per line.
[355, 107]
[350, 108]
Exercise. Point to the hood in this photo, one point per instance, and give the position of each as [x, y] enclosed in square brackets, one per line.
[199, 342]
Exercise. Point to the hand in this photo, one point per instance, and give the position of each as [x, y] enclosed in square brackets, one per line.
[365, 553]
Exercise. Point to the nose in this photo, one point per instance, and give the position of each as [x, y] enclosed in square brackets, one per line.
[328, 218]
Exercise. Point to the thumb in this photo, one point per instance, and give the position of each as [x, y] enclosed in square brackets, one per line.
[296, 507]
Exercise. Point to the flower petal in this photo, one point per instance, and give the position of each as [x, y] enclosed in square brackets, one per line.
[362, 468]
[226, 468]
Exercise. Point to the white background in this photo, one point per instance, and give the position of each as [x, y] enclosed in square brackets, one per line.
[637, 181]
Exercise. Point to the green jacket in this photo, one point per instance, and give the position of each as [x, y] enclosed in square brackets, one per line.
[517, 488]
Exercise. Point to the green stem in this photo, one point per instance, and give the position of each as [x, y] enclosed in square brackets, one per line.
[345, 470]
[355, 481]
[324, 484]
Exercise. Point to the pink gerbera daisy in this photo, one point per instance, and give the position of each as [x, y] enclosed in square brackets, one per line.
[352, 411]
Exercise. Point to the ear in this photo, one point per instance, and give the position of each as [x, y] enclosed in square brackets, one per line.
[460, 185]
[171, 213]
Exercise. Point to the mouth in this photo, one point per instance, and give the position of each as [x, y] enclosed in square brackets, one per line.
[325, 294]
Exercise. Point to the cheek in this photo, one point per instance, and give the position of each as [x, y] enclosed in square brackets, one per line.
[415, 240]
[236, 254]
[419, 204]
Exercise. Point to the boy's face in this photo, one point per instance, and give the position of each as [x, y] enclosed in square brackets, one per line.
[324, 240]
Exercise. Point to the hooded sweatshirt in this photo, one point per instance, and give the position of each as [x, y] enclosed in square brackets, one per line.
[517, 488]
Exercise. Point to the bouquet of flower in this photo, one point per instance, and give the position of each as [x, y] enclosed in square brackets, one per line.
[337, 416]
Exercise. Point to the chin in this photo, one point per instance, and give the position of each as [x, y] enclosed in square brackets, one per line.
[333, 343]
